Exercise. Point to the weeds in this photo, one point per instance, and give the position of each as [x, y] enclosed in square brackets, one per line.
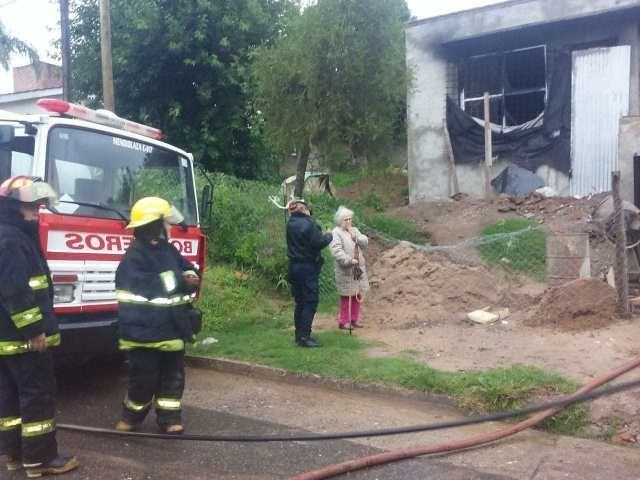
[523, 250]
[395, 228]
[345, 179]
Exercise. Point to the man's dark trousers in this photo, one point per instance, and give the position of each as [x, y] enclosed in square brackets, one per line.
[304, 278]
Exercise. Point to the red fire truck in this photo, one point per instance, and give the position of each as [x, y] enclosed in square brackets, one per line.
[100, 165]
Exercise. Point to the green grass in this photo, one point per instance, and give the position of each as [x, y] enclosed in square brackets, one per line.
[257, 327]
[395, 228]
[517, 244]
[248, 231]
[345, 179]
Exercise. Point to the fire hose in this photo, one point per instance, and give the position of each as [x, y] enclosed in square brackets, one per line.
[542, 411]
[381, 432]
[474, 441]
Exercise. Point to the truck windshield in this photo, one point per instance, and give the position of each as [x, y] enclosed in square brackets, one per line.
[16, 156]
[101, 175]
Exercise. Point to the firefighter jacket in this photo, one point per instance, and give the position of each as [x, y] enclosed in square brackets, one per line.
[154, 303]
[26, 290]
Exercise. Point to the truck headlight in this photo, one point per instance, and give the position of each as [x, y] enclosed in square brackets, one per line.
[63, 293]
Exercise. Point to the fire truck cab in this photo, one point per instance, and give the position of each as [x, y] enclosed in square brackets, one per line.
[99, 164]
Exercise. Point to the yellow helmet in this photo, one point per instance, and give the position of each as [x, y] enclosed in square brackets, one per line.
[150, 209]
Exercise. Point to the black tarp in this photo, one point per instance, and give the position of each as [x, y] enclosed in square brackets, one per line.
[517, 181]
[526, 146]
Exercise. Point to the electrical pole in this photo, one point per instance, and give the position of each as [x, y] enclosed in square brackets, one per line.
[66, 50]
[105, 48]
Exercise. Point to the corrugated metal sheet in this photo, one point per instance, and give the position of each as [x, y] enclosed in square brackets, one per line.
[600, 96]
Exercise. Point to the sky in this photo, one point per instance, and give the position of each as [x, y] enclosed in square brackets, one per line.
[36, 22]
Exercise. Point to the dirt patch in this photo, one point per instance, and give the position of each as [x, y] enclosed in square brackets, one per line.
[583, 304]
[412, 288]
[391, 189]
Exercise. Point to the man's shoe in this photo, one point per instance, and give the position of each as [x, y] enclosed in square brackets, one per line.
[57, 466]
[344, 326]
[307, 342]
[357, 325]
[13, 463]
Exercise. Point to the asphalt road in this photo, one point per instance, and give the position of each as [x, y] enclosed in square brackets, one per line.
[91, 395]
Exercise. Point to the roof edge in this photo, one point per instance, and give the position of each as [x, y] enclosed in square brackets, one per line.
[415, 23]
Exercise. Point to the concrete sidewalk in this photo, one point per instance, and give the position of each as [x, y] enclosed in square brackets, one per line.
[313, 404]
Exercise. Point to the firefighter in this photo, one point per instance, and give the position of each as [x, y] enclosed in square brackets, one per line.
[155, 287]
[28, 327]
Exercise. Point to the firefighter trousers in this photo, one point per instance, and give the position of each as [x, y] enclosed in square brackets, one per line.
[27, 407]
[156, 378]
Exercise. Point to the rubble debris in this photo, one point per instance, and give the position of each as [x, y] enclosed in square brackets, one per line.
[482, 317]
[583, 304]
[547, 192]
[487, 316]
[459, 196]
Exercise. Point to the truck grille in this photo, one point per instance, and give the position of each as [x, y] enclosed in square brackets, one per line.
[99, 285]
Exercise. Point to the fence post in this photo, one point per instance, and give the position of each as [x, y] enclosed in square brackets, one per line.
[488, 146]
[621, 268]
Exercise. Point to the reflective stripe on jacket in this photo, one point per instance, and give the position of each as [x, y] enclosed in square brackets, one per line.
[153, 298]
[26, 290]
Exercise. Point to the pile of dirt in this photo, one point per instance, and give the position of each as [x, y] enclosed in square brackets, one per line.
[411, 288]
[583, 304]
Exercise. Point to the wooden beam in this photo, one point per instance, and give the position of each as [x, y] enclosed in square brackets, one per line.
[454, 187]
[488, 147]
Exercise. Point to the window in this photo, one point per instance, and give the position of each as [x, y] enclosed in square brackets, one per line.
[101, 175]
[16, 157]
[515, 81]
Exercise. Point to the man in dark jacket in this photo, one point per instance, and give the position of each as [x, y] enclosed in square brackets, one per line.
[305, 242]
[155, 287]
[27, 328]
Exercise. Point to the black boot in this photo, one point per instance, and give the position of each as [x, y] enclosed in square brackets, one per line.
[307, 342]
[57, 466]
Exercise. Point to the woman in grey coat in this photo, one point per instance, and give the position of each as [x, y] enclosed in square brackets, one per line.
[347, 249]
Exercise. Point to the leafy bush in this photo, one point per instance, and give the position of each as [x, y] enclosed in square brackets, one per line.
[373, 201]
[249, 231]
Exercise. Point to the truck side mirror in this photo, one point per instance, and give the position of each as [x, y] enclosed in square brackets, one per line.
[7, 133]
[206, 202]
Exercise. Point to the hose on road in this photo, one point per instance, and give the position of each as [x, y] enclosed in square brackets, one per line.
[557, 404]
[459, 445]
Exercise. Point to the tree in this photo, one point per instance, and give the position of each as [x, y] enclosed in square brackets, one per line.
[10, 45]
[335, 78]
[183, 65]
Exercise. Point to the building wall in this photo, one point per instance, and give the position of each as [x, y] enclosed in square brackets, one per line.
[29, 78]
[429, 57]
[26, 104]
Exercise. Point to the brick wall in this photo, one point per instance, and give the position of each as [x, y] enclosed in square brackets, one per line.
[29, 77]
